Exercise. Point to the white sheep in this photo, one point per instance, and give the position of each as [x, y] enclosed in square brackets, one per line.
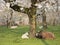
[25, 36]
[13, 27]
[40, 27]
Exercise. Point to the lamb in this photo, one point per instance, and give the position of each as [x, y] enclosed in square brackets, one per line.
[13, 27]
[25, 36]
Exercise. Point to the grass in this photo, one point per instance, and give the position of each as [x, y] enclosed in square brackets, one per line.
[13, 36]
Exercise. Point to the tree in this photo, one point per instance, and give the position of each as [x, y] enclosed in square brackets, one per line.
[10, 11]
[44, 23]
[42, 12]
[31, 14]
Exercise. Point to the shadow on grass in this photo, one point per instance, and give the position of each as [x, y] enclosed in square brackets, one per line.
[44, 42]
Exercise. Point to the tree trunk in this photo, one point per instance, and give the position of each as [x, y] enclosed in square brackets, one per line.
[32, 22]
[7, 23]
[11, 13]
[44, 20]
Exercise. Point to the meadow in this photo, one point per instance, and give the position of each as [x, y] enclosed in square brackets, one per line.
[13, 36]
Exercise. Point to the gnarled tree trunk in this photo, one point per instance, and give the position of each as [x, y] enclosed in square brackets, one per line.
[32, 22]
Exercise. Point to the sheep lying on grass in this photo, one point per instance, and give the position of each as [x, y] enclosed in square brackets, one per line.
[45, 35]
[13, 27]
[25, 36]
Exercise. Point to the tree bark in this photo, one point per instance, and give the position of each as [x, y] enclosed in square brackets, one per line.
[32, 22]
[7, 23]
[11, 13]
[44, 23]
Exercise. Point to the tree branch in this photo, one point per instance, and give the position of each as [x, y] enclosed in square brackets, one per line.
[19, 8]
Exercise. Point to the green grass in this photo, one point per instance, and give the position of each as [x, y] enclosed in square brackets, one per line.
[13, 36]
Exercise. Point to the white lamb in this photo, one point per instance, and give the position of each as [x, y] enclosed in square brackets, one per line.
[13, 27]
[41, 27]
[25, 36]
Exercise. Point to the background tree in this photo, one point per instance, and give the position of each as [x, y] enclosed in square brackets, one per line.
[9, 22]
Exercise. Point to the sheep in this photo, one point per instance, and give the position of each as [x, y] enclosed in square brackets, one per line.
[13, 27]
[25, 36]
[40, 27]
[45, 35]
